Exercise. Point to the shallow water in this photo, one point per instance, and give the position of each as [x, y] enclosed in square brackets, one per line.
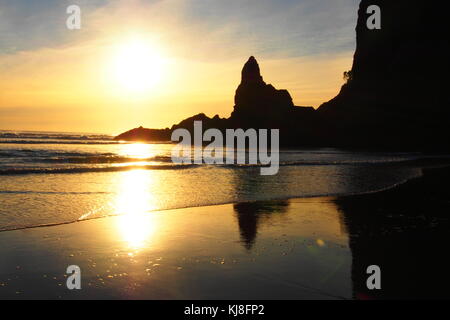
[51, 178]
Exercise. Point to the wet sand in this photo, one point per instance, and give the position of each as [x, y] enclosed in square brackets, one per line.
[316, 248]
[265, 250]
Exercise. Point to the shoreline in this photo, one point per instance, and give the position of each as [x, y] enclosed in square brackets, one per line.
[335, 195]
[300, 248]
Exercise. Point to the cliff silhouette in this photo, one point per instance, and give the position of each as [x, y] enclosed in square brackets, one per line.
[395, 95]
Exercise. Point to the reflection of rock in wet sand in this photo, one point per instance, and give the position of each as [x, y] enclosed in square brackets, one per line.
[251, 214]
[405, 232]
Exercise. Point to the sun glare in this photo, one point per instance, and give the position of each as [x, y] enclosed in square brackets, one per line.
[133, 204]
[138, 65]
[138, 150]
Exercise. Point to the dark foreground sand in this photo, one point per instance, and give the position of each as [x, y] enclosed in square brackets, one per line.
[316, 248]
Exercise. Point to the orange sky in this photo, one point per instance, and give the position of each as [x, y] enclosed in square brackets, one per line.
[92, 81]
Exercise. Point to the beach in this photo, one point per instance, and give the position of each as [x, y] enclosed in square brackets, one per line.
[304, 248]
[239, 151]
[273, 250]
[141, 227]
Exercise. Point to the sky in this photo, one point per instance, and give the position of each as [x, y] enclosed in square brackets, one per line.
[155, 62]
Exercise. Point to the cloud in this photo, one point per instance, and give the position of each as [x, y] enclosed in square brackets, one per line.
[29, 25]
[199, 29]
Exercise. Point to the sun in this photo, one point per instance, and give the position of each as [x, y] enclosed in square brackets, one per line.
[137, 65]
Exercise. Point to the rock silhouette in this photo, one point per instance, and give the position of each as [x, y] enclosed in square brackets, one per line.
[257, 105]
[250, 215]
[396, 96]
[251, 73]
[260, 105]
[397, 92]
[143, 134]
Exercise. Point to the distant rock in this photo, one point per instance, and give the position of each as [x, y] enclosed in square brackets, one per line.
[143, 134]
[207, 123]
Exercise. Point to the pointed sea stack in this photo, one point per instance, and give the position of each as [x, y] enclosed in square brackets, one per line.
[251, 72]
[260, 105]
[257, 105]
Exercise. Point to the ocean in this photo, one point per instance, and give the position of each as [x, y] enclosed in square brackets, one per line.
[49, 178]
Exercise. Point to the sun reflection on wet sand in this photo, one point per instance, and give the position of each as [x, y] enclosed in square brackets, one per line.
[136, 229]
[138, 150]
[298, 247]
[134, 201]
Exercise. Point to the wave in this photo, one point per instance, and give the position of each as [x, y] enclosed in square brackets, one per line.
[7, 137]
[62, 157]
[171, 166]
[72, 170]
[49, 153]
[106, 158]
[56, 156]
[82, 142]
[50, 192]
[100, 159]
[55, 136]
